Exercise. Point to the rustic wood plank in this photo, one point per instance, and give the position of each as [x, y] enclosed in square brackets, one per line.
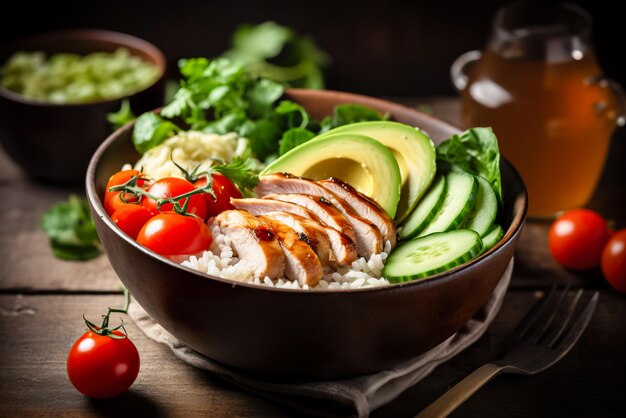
[37, 332]
[8, 169]
[26, 260]
[587, 382]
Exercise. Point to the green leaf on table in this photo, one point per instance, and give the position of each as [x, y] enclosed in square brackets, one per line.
[151, 130]
[71, 230]
[350, 113]
[294, 137]
[475, 151]
[74, 252]
[122, 116]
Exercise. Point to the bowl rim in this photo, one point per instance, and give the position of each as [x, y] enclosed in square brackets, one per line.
[436, 279]
[157, 58]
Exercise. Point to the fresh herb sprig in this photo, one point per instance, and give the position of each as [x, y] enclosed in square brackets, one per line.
[242, 170]
[71, 230]
[122, 116]
[220, 96]
[279, 53]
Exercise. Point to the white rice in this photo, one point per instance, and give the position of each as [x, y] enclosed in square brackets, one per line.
[222, 261]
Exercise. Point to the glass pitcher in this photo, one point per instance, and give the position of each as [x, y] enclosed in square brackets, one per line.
[538, 84]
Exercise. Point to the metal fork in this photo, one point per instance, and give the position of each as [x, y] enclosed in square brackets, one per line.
[537, 343]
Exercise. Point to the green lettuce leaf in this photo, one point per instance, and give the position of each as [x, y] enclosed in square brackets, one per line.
[475, 151]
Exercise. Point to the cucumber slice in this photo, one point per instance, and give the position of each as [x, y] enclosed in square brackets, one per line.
[461, 190]
[425, 210]
[492, 237]
[485, 209]
[424, 256]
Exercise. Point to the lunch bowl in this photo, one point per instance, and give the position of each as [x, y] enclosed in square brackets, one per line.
[53, 142]
[305, 334]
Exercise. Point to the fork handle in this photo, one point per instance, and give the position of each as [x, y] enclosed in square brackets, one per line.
[460, 392]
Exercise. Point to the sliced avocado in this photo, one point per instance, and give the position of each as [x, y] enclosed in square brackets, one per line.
[414, 151]
[364, 163]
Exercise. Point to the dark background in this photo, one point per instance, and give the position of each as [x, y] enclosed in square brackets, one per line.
[389, 47]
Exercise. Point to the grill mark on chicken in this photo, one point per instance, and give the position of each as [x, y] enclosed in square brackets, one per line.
[367, 236]
[343, 247]
[302, 264]
[364, 206]
[327, 213]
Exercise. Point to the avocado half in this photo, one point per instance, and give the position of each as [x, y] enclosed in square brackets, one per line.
[414, 151]
[364, 163]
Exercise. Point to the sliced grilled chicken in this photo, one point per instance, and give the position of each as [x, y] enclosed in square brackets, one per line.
[367, 236]
[364, 206]
[342, 246]
[321, 207]
[262, 206]
[315, 235]
[301, 262]
[255, 243]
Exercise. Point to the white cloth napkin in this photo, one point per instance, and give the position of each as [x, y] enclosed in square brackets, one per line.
[357, 396]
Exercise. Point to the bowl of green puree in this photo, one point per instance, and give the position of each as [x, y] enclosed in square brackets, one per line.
[57, 88]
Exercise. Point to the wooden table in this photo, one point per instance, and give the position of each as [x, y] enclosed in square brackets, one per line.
[42, 300]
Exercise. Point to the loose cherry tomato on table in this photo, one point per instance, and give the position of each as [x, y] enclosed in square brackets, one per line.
[224, 189]
[577, 239]
[130, 218]
[114, 199]
[614, 261]
[170, 233]
[171, 187]
[103, 362]
[101, 366]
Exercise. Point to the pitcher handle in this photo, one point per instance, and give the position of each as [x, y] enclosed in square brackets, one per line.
[618, 92]
[458, 70]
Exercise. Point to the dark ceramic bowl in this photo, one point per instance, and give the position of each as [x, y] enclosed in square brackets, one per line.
[54, 142]
[305, 334]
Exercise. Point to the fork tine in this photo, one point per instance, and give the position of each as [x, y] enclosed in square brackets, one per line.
[556, 333]
[577, 329]
[535, 312]
[539, 332]
[529, 319]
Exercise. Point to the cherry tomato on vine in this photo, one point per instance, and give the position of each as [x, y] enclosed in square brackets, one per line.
[102, 367]
[130, 218]
[172, 187]
[224, 189]
[113, 199]
[614, 261]
[170, 233]
[577, 239]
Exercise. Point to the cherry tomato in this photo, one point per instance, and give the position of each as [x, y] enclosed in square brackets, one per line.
[170, 233]
[577, 238]
[102, 367]
[172, 187]
[113, 200]
[130, 218]
[224, 189]
[614, 261]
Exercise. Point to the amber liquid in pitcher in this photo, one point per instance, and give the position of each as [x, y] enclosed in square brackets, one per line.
[550, 122]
